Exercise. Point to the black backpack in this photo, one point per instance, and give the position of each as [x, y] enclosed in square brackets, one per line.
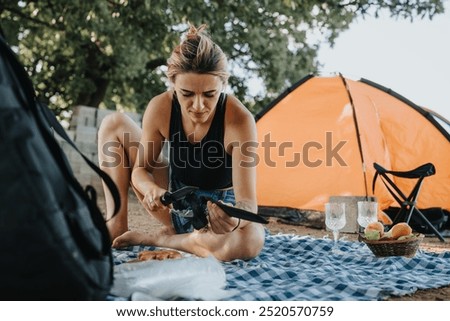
[54, 240]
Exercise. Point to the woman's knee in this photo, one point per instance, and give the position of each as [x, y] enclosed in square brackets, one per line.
[253, 240]
[114, 124]
[245, 245]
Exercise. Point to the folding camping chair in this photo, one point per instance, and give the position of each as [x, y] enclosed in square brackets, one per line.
[407, 204]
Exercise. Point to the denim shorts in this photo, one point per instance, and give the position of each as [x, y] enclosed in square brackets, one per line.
[181, 212]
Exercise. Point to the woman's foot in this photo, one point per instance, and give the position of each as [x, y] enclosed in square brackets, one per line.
[130, 238]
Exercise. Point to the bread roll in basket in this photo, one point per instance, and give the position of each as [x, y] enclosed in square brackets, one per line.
[398, 241]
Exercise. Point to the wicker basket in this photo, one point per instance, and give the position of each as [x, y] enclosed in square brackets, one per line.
[407, 247]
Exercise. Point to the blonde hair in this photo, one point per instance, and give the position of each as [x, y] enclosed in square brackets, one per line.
[197, 53]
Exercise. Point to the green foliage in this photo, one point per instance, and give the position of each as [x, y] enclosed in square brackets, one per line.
[113, 52]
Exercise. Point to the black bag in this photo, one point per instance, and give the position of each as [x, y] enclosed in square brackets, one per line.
[437, 216]
[54, 241]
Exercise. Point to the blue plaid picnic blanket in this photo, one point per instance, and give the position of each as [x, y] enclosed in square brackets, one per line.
[302, 268]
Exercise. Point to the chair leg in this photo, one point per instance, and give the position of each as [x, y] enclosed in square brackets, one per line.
[438, 234]
[410, 212]
[400, 217]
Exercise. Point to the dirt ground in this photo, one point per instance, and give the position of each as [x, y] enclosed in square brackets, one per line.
[140, 220]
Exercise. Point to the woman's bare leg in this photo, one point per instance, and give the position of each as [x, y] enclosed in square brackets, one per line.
[116, 158]
[243, 243]
[118, 143]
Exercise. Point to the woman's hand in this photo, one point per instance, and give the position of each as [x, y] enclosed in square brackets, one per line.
[152, 200]
[220, 222]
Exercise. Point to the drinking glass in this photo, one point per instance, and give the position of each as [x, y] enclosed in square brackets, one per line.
[367, 213]
[335, 220]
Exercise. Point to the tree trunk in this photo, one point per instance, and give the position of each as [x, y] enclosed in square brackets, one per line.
[95, 98]
[97, 65]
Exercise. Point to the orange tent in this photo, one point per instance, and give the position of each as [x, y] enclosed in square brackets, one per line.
[322, 136]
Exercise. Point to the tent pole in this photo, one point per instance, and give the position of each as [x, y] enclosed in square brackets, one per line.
[355, 120]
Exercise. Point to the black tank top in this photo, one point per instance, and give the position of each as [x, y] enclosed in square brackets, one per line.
[205, 164]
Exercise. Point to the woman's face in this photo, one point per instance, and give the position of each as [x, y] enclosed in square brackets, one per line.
[198, 95]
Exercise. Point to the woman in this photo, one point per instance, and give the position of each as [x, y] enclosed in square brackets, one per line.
[211, 137]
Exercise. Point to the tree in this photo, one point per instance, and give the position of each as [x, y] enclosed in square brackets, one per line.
[113, 52]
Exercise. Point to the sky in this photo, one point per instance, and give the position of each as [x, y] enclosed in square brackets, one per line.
[411, 58]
